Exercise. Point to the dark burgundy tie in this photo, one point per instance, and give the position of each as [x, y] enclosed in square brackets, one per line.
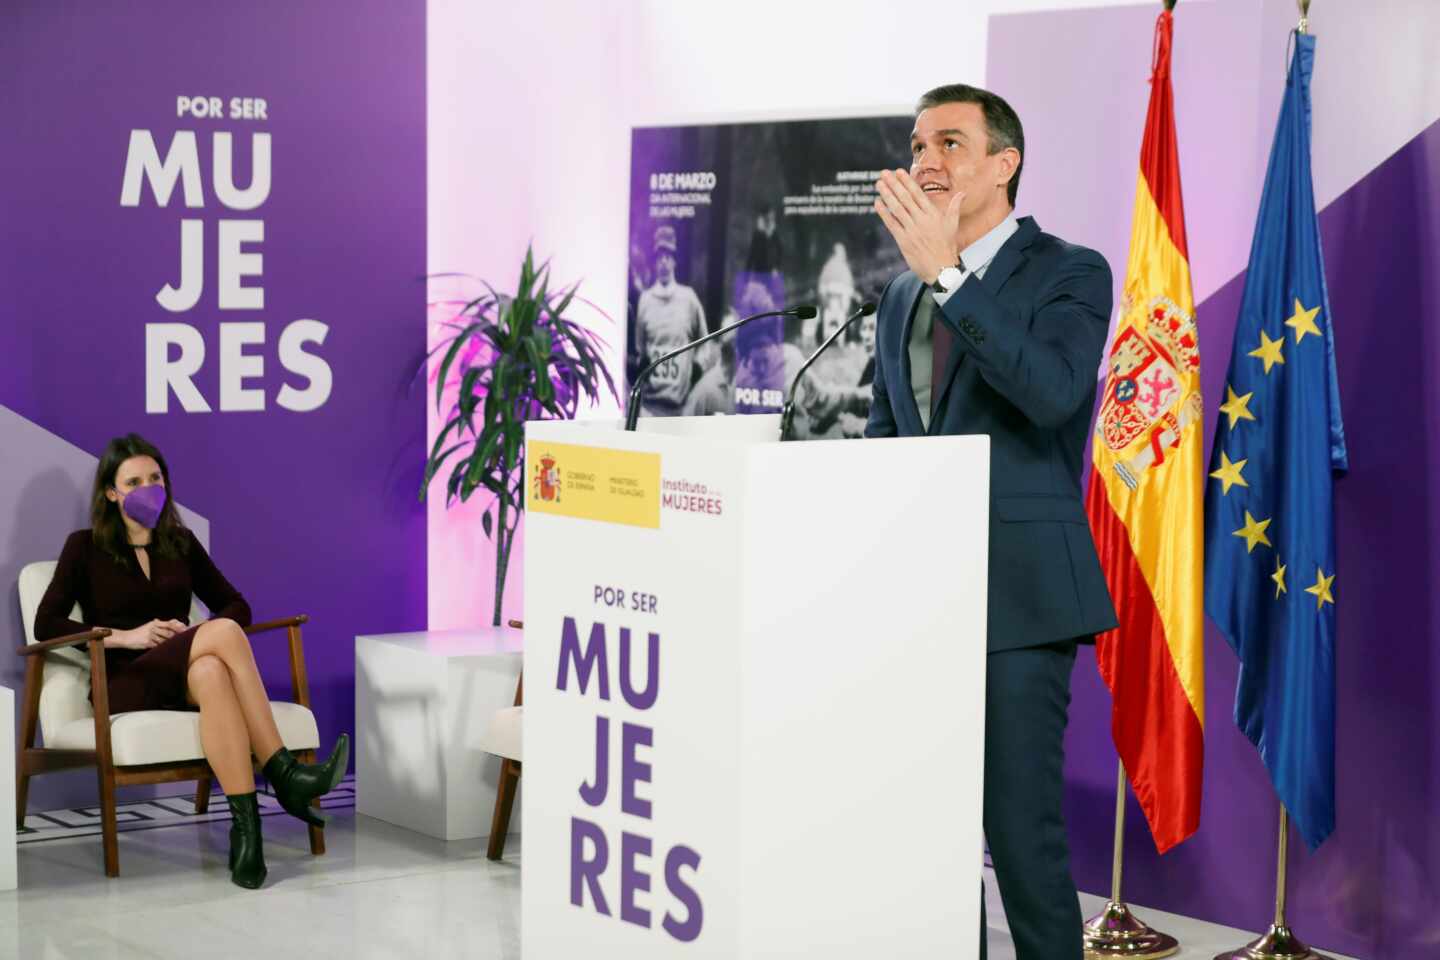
[940, 342]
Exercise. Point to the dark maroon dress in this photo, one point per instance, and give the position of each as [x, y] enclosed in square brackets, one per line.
[117, 594]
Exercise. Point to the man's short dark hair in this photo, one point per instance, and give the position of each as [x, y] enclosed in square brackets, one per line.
[1002, 123]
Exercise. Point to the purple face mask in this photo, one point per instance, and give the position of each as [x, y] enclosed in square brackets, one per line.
[143, 505]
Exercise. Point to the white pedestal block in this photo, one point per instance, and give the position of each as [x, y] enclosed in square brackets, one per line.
[422, 703]
[7, 789]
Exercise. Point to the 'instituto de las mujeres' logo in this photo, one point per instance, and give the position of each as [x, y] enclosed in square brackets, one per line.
[691, 496]
[1152, 393]
[546, 483]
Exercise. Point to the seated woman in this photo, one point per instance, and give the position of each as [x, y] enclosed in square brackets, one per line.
[133, 571]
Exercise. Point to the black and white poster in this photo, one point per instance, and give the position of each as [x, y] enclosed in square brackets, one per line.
[731, 220]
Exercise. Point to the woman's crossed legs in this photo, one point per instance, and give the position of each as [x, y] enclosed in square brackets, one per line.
[235, 718]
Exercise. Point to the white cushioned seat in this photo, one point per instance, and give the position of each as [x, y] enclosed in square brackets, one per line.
[502, 738]
[170, 736]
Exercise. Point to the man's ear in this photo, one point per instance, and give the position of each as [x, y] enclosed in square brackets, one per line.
[1009, 163]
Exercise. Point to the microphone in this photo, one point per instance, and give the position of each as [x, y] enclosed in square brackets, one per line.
[787, 415]
[632, 409]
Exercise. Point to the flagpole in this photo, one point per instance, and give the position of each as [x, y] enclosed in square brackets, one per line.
[1132, 522]
[1278, 943]
[1115, 931]
[1119, 859]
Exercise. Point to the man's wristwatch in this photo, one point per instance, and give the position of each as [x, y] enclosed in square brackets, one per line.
[949, 279]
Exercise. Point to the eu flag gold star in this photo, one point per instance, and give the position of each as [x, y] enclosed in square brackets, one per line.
[1236, 408]
[1229, 473]
[1321, 590]
[1269, 351]
[1253, 532]
[1279, 577]
[1303, 321]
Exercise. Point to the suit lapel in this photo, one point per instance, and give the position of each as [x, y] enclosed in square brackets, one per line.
[1011, 255]
[911, 294]
[1006, 262]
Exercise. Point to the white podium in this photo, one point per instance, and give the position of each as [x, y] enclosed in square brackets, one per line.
[754, 708]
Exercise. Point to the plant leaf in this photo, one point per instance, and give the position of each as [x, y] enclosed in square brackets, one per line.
[450, 355]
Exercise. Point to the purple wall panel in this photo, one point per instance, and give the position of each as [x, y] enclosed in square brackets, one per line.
[1381, 882]
[314, 511]
[1371, 890]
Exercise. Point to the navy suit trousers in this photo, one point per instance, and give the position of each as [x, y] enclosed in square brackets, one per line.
[1027, 701]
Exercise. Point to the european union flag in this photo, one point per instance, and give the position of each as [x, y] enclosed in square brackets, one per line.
[1270, 571]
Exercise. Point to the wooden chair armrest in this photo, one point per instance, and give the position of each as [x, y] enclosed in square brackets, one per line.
[299, 680]
[255, 628]
[74, 639]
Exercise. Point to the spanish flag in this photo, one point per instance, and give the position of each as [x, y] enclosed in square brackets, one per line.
[1144, 500]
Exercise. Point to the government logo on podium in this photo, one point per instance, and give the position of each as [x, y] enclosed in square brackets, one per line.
[547, 479]
[611, 486]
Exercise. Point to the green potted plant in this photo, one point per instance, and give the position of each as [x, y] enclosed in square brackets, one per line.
[512, 358]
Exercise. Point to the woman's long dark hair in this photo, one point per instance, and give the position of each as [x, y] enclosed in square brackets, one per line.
[106, 523]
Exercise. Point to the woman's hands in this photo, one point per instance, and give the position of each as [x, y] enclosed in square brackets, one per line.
[145, 636]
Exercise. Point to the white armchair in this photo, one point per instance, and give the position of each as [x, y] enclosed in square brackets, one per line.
[145, 746]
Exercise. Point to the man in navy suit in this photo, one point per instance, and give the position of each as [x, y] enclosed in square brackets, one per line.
[997, 328]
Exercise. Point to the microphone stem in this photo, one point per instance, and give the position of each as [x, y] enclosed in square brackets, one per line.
[787, 413]
[632, 408]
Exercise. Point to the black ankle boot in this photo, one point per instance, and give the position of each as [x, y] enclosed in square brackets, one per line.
[296, 784]
[247, 851]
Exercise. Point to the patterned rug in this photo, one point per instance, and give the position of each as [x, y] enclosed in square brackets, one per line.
[160, 812]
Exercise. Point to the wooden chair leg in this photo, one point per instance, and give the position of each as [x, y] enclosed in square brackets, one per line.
[104, 758]
[504, 801]
[108, 826]
[317, 838]
[22, 794]
[203, 787]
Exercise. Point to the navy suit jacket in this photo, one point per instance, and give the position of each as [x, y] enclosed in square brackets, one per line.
[1027, 343]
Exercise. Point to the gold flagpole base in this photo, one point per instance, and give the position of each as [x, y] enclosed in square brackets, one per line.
[1115, 932]
[1277, 944]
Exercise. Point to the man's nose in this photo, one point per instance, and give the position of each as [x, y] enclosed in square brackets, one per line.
[924, 160]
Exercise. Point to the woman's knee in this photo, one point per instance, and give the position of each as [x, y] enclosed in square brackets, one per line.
[225, 634]
[229, 628]
[206, 673]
